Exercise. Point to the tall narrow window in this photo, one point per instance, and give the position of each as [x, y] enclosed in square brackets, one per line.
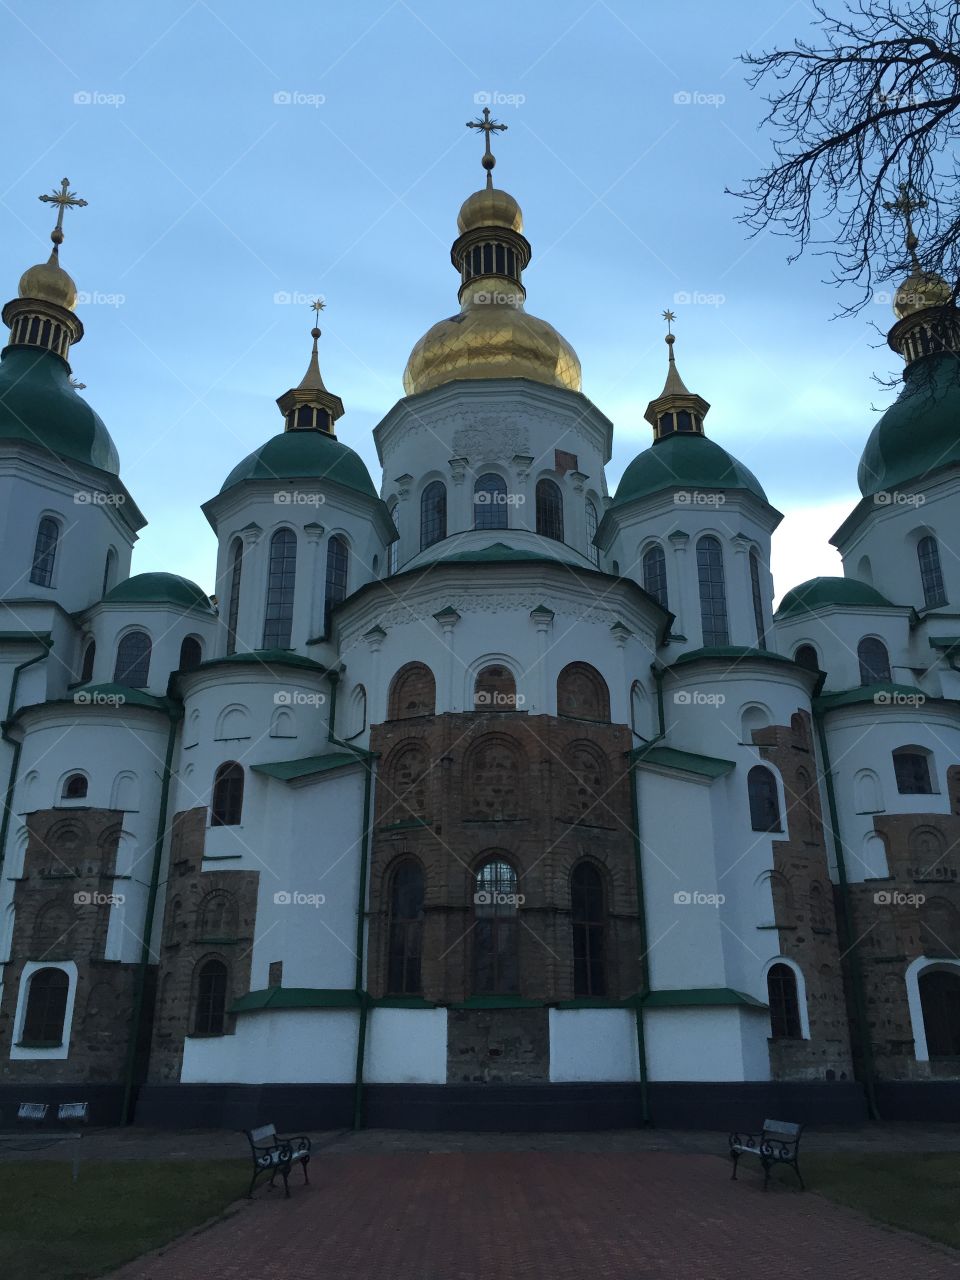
[45, 552]
[109, 571]
[233, 606]
[874, 661]
[495, 941]
[784, 1005]
[191, 654]
[940, 1003]
[227, 805]
[592, 551]
[654, 565]
[133, 660]
[589, 929]
[393, 552]
[211, 999]
[433, 514]
[281, 582]
[764, 801]
[86, 667]
[549, 510]
[806, 656]
[757, 594]
[338, 556]
[46, 1008]
[405, 939]
[713, 595]
[490, 502]
[931, 576]
[911, 765]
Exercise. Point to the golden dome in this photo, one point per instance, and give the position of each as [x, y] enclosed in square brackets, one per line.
[48, 282]
[491, 340]
[920, 290]
[490, 207]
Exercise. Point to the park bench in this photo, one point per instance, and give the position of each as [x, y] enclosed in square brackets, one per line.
[273, 1154]
[777, 1143]
[35, 1114]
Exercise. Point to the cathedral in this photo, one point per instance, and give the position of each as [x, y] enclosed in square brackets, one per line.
[482, 798]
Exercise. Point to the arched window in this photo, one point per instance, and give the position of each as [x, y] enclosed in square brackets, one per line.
[764, 802]
[358, 711]
[549, 510]
[133, 660]
[433, 514]
[191, 654]
[806, 656]
[757, 594]
[211, 1009]
[227, 804]
[931, 577]
[940, 1002]
[413, 692]
[490, 502]
[784, 1005]
[86, 666]
[281, 584]
[639, 715]
[867, 793]
[713, 594]
[494, 779]
[592, 551]
[589, 931]
[405, 797]
[393, 551]
[233, 607]
[495, 689]
[219, 918]
[74, 787]
[582, 693]
[338, 559]
[874, 661]
[940, 928]
[46, 1008]
[654, 566]
[911, 766]
[109, 571]
[405, 933]
[45, 552]
[495, 940]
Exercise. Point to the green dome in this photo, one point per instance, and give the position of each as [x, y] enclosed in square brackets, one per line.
[823, 591]
[159, 588]
[684, 462]
[38, 404]
[919, 433]
[304, 455]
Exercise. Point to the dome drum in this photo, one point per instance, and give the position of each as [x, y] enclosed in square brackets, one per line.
[35, 322]
[490, 251]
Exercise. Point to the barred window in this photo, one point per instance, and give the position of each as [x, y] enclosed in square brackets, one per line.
[784, 1004]
[45, 552]
[589, 931]
[713, 593]
[490, 502]
[654, 566]
[233, 609]
[46, 1008]
[133, 660]
[874, 661]
[549, 510]
[227, 805]
[495, 939]
[931, 576]
[211, 1009]
[338, 558]
[281, 583]
[433, 514]
[764, 801]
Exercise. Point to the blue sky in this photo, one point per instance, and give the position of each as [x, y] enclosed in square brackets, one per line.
[211, 199]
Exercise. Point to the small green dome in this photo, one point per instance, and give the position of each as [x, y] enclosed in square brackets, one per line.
[304, 455]
[159, 588]
[818, 592]
[38, 405]
[681, 461]
[918, 434]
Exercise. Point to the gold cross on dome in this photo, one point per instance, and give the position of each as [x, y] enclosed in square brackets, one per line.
[487, 125]
[904, 206]
[63, 199]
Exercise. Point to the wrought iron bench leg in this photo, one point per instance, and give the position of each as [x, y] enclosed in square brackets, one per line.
[734, 1156]
[306, 1177]
[286, 1181]
[796, 1169]
[766, 1173]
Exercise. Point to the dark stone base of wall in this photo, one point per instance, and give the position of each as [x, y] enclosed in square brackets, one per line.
[293, 1108]
[932, 1100]
[104, 1102]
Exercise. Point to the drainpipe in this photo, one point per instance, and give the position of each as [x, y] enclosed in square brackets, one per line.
[47, 641]
[136, 1025]
[848, 937]
[366, 760]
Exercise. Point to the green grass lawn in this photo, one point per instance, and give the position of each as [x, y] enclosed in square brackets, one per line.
[52, 1228]
[915, 1192]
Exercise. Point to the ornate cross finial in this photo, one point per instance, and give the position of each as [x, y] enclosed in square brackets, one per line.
[904, 206]
[63, 199]
[488, 126]
[316, 305]
[669, 316]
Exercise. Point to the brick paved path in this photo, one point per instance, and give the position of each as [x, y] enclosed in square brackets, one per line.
[559, 1216]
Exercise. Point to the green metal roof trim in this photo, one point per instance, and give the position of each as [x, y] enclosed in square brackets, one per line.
[290, 770]
[263, 658]
[687, 761]
[39, 405]
[500, 553]
[104, 695]
[499, 1002]
[24, 637]
[159, 588]
[869, 692]
[403, 1002]
[699, 997]
[818, 593]
[730, 653]
[684, 462]
[917, 436]
[936, 642]
[296, 998]
[304, 455]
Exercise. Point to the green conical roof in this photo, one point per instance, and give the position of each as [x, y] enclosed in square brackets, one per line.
[38, 405]
[159, 588]
[920, 432]
[817, 592]
[304, 455]
[684, 461]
